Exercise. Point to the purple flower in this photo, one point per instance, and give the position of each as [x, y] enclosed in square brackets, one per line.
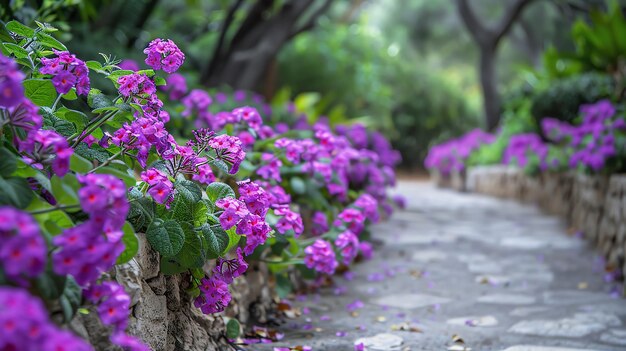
[289, 221]
[320, 223]
[11, 89]
[113, 304]
[43, 148]
[176, 86]
[24, 325]
[366, 249]
[321, 257]
[348, 245]
[136, 85]
[229, 149]
[160, 187]
[23, 250]
[92, 247]
[228, 270]
[214, 295]
[271, 169]
[248, 115]
[68, 72]
[163, 53]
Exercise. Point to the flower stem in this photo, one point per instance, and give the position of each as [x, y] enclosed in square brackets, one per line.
[107, 162]
[52, 209]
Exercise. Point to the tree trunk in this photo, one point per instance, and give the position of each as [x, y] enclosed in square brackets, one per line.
[489, 85]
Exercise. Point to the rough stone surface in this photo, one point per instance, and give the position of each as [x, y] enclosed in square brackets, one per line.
[593, 205]
[563, 280]
[163, 315]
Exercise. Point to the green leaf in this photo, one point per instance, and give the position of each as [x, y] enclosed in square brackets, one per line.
[189, 190]
[232, 329]
[283, 286]
[158, 81]
[128, 179]
[181, 209]
[54, 221]
[65, 190]
[50, 285]
[71, 298]
[95, 66]
[166, 237]
[20, 29]
[216, 239]
[131, 244]
[97, 100]
[233, 239]
[221, 165]
[200, 214]
[48, 41]
[16, 50]
[80, 164]
[192, 254]
[15, 192]
[70, 95]
[79, 119]
[115, 75]
[217, 190]
[170, 266]
[141, 209]
[40, 91]
[8, 163]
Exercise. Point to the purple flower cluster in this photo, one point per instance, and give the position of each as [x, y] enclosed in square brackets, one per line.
[228, 148]
[452, 154]
[320, 223]
[67, 71]
[176, 86]
[320, 257]
[160, 187]
[113, 306]
[43, 148]
[214, 295]
[289, 221]
[141, 135]
[593, 142]
[197, 101]
[228, 270]
[271, 168]
[11, 89]
[348, 244]
[136, 85]
[90, 248]
[164, 54]
[24, 325]
[523, 146]
[23, 250]
[247, 214]
[352, 218]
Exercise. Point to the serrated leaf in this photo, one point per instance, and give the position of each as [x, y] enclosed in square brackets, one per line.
[40, 91]
[166, 237]
[217, 190]
[20, 29]
[221, 165]
[216, 240]
[200, 214]
[131, 244]
[97, 100]
[188, 189]
[192, 254]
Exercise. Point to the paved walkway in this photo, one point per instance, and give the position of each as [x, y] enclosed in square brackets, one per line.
[486, 273]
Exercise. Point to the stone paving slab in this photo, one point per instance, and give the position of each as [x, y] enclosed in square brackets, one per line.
[499, 275]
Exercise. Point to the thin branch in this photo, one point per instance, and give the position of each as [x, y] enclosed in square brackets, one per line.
[220, 42]
[312, 20]
[510, 16]
[476, 29]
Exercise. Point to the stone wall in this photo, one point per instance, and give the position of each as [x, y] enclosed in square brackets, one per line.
[592, 204]
[163, 314]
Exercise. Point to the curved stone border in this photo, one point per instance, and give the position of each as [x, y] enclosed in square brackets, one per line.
[592, 204]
